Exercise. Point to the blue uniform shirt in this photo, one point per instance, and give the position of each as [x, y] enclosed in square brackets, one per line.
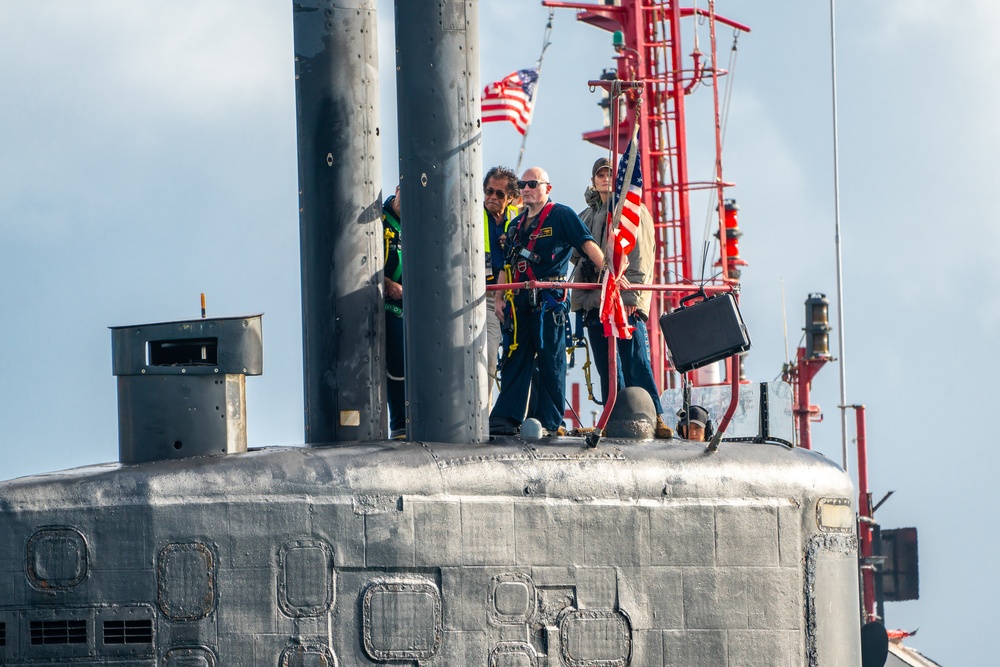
[561, 232]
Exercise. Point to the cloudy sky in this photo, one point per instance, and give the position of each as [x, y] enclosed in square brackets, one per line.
[147, 154]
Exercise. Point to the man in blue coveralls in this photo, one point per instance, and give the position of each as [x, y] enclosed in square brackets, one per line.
[540, 242]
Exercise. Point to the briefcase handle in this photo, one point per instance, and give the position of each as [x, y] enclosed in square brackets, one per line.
[701, 293]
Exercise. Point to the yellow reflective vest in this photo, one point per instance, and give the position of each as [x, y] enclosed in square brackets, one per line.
[509, 215]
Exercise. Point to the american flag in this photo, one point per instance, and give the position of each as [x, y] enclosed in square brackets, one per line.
[624, 225]
[630, 200]
[511, 99]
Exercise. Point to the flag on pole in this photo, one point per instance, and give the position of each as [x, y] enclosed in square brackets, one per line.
[624, 225]
[511, 99]
[629, 199]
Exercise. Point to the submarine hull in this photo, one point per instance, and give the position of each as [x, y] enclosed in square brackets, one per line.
[511, 553]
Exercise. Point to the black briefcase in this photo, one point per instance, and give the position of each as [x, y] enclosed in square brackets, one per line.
[705, 332]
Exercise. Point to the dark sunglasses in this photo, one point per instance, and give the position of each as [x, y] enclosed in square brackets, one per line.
[489, 192]
[530, 184]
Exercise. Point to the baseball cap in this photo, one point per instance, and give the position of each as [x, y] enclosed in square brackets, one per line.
[696, 415]
[602, 163]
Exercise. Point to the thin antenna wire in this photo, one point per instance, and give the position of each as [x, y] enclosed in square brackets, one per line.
[726, 98]
[784, 319]
[538, 67]
[730, 78]
[836, 212]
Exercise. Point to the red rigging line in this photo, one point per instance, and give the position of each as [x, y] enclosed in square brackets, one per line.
[650, 52]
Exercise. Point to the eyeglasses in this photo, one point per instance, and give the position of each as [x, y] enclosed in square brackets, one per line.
[531, 184]
[500, 194]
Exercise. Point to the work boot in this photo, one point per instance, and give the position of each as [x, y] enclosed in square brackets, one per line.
[663, 432]
[559, 432]
[503, 426]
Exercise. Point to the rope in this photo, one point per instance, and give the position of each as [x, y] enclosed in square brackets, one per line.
[587, 376]
[508, 297]
[727, 96]
[545, 45]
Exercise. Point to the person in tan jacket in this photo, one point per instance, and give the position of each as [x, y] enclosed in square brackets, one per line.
[634, 369]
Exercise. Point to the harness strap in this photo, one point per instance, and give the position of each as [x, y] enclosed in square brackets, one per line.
[392, 233]
[392, 245]
[508, 297]
[557, 307]
[524, 266]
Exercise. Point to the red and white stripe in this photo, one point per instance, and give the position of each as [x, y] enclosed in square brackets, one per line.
[624, 226]
[506, 100]
[628, 225]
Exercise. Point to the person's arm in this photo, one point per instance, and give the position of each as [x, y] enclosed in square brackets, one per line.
[587, 218]
[498, 304]
[593, 252]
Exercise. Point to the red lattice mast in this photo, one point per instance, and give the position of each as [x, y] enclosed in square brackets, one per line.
[649, 51]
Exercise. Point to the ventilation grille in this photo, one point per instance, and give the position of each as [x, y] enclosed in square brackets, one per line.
[3, 634]
[58, 632]
[128, 632]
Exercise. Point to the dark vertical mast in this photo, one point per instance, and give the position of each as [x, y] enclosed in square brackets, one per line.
[437, 87]
[336, 89]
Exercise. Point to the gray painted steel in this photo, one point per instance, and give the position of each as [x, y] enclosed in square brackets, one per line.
[182, 386]
[437, 84]
[173, 417]
[336, 86]
[510, 553]
[234, 343]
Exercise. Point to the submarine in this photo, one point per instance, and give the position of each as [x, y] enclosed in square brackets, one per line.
[450, 547]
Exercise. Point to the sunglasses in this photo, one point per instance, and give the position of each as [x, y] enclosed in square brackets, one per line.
[500, 194]
[530, 184]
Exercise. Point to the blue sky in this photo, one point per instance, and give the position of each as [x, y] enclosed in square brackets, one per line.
[147, 154]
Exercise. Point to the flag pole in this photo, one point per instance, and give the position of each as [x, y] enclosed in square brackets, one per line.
[615, 90]
[545, 45]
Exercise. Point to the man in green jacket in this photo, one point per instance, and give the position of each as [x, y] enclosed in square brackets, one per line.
[392, 270]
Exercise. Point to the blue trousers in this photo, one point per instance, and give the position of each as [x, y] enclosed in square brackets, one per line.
[541, 342]
[634, 369]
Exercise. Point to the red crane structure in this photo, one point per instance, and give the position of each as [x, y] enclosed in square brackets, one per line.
[657, 75]
[647, 38]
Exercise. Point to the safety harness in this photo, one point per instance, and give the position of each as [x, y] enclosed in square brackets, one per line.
[392, 233]
[520, 266]
[508, 216]
[574, 340]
